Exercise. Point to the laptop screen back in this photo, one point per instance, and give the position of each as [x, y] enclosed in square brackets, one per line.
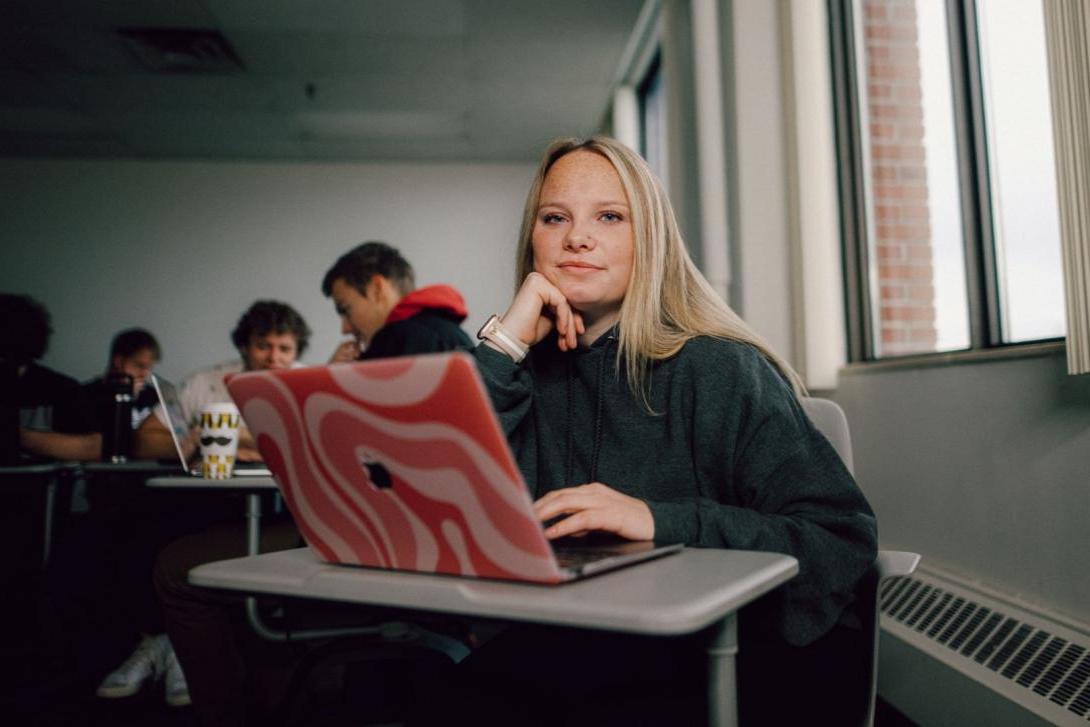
[175, 414]
[397, 463]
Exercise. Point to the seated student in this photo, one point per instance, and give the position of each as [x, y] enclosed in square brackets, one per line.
[133, 353]
[637, 403]
[372, 289]
[43, 412]
[269, 335]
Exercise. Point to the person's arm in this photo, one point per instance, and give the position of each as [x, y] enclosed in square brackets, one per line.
[152, 440]
[247, 447]
[537, 310]
[57, 445]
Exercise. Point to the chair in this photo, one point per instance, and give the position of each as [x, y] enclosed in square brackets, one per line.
[829, 419]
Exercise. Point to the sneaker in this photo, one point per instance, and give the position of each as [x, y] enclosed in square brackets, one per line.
[143, 664]
[177, 691]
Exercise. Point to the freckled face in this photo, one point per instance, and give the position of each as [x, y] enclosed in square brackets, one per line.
[582, 238]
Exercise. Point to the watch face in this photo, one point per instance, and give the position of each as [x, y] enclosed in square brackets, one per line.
[487, 327]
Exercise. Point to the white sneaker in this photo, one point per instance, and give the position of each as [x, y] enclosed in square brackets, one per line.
[145, 663]
[176, 690]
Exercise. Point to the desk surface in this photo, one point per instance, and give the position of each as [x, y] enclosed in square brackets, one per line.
[676, 594]
[253, 482]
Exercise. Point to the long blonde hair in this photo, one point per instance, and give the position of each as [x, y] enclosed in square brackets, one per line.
[668, 300]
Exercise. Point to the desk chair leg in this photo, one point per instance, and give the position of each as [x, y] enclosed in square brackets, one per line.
[722, 674]
[47, 525]
[253, 547]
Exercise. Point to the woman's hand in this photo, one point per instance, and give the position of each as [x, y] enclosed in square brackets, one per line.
[538, 307]
[595, 507]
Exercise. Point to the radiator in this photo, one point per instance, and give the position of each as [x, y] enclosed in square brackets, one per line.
[1021, 653]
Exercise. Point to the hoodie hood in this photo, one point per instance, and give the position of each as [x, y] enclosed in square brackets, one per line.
[440, 299]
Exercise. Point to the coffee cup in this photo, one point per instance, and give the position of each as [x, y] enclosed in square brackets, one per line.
[219, 440]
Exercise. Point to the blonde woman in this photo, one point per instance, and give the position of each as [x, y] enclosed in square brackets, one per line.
[639, 404]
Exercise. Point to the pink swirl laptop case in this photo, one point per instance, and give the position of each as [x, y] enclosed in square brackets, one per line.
[397, 463]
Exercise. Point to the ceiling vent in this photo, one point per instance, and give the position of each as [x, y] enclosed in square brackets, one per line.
[181, 50]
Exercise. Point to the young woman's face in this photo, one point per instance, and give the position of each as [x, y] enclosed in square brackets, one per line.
[582, 238]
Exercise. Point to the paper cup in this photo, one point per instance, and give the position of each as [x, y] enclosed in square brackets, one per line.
[219, 440]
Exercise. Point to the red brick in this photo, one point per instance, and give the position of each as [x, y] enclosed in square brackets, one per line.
[904, 272]
[887, 213]
[920, 253]
[892, 336]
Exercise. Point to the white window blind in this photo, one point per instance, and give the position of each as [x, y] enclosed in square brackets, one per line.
[1067, 24]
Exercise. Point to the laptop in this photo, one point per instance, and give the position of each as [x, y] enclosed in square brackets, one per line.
[179, 430]
[401, 464]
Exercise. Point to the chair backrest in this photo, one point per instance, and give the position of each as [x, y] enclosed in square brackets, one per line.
[829, 419]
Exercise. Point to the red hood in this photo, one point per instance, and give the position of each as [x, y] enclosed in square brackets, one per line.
[441, 299]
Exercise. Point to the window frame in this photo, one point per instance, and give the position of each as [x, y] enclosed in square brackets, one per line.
[974, 187]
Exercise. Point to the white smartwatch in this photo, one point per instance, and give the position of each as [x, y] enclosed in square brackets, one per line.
[494, 332]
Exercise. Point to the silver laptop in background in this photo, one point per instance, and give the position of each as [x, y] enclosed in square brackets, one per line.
[179, 430]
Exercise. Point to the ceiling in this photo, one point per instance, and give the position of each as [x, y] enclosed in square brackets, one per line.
[479, 80]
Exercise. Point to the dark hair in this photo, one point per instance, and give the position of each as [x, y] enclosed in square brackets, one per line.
[357, 266]
[271, 316]
[131, 340]
[27, 329]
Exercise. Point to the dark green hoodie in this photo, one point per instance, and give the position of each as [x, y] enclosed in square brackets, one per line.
[728, 460]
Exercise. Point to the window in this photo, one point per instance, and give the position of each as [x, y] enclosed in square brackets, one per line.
[653, 119]
[947, 176]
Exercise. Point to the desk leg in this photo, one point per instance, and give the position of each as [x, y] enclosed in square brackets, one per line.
[253, 523]
[47, 525]
[722, 674]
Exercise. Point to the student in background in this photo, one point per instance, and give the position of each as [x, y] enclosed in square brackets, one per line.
[269, 335]
[639, 405]
[374, 291]
[133, 354]
[42, 412]
[372, 286]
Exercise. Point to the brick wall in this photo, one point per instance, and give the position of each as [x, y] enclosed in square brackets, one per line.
[901, 236]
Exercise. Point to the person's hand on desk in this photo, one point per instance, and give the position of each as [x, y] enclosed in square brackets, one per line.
[595, 507]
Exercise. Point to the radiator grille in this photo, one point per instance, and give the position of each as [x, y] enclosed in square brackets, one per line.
[1042, 665]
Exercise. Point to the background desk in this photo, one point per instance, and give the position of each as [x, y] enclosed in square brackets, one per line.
[674, 595]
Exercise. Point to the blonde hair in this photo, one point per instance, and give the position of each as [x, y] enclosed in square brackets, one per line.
[668, 300]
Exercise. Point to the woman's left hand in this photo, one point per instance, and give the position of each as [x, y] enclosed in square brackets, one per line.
[595, 507]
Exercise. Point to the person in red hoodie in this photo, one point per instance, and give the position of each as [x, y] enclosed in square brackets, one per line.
[374, 291]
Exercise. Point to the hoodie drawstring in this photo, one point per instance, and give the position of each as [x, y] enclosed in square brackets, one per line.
[569, 468]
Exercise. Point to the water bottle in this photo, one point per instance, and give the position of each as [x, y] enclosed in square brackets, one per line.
[118, 433]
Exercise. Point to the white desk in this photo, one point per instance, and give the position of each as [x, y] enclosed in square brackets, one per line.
[674, 595]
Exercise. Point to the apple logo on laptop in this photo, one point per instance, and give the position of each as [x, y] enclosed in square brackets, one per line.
[376, 472]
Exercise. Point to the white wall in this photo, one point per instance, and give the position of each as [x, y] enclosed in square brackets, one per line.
[183, 248]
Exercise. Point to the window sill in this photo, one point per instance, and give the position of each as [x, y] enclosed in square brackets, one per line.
[957, 358]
